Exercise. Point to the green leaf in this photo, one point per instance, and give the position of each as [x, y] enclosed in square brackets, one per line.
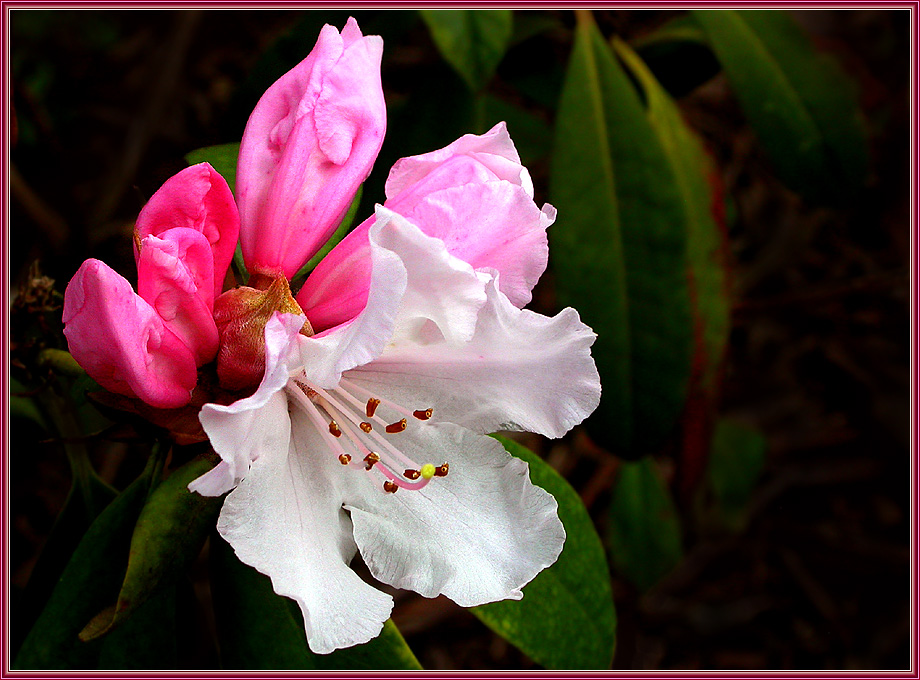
[620, 247]
[693, 172]
[24, 407]
[258, 629]
[473, 41]
[89, 582]
[566, 619]
[800, 103]
[222, 158]
[170, 531]
[645, 540]
[736, 461]
[339, 233]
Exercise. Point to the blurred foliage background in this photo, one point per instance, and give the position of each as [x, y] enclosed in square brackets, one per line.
[734, 222]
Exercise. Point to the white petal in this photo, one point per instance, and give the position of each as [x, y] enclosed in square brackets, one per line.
[240, 431]
[441, 289]
[477, 535]
[326, 355]
[286, 520]
[520, 371]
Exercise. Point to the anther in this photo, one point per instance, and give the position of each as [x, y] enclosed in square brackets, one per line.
[334, 429]
[398, 426]
[372, 405]
[365, 427]
[390, 487]
[370, 460]
[411, 474]
[423, 415]
[441, 470]
[344, 459]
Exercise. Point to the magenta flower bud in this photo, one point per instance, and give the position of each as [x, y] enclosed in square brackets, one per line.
[122, 342]
[309, 144]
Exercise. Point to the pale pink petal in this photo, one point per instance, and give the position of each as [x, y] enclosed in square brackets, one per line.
[310, 142]
[477, 535]
[520, 371]
[286, 520]
[494, 151]
[196, 198]
[493, 225]
[175, 275]
[122, 342]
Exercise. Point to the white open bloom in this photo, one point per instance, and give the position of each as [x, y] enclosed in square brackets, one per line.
[371, 437]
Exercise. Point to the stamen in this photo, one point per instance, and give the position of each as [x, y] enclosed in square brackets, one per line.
[333, 417]
[398, 426]
[347, 384]
[371, 408]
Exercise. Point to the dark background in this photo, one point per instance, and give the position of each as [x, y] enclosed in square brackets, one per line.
[107, 104]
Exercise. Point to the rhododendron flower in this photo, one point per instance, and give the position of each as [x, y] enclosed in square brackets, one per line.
[369, 435]
[149, 344]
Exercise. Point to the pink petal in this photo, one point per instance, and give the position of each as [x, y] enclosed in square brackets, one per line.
[494, 151]
[122, 342]
[196, 198]
[310, 142]
[175, 274]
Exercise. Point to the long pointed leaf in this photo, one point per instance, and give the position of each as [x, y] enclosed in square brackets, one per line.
[799, 102]
[619, 247]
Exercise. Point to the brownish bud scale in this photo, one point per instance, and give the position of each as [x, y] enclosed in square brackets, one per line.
[241, 315]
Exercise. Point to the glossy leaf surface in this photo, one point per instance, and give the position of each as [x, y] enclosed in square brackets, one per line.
[619, 247]
[473, 41]
[799, 102]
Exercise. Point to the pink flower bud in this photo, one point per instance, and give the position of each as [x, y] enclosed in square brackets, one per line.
[175, 274]
[196, 198]
[309, 143]
[122, 342]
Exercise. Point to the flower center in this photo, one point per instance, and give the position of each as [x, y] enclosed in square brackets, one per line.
[349, 421]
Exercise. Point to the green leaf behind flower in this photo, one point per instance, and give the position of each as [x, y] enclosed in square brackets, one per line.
[645, 534]
[801, 105]
[619, 247]
[473, 41]
[566, 619]
[90, 582]
[170, 531]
